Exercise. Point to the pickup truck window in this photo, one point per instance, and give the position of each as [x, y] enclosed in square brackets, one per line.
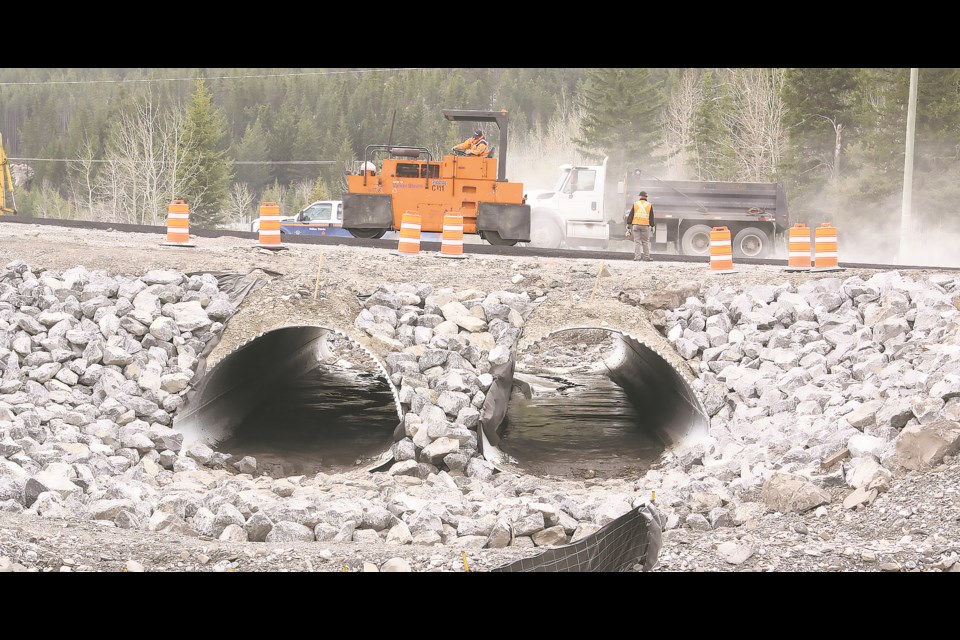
[322, 212]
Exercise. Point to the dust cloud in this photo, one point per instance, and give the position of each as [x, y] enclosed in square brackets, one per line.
[871, 234]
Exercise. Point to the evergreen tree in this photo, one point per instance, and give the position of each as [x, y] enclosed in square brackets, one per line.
[819, 120]
[254, 146]
[320, 191]
[335, 174]
[206, 188]
[306, 146]
[333, 117]
[711, 156]
[936, 178]
[621, 110]
[881, 114]
[38, 135]
[283, 139]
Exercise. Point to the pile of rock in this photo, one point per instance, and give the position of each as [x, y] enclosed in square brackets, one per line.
[444, 349]
[832, 383]
[93, 368]
[572, 351]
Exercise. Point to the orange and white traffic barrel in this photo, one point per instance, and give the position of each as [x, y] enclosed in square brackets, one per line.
[409, 242]
[825, 248]
[270, 226]
[721, 251]
[451, 242]
[798, 248]
[178, 225]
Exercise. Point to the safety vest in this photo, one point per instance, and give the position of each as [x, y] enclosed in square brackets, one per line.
[476, 145]
[641, 212]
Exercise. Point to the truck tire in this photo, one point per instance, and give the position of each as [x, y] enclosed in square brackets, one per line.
[751, 242]
[545, 231]
[696, 241]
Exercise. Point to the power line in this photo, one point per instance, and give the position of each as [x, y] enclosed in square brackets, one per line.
[266, 75]
[155, 161]
[284, 162]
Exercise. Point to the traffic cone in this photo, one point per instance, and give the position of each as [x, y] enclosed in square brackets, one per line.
[721, 251]
[270, 227]
[451, 243]
[798, 248]
[409, 242]
[178, 225]
[825, 248]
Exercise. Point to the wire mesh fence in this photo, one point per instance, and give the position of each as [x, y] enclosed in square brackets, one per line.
[632, 539]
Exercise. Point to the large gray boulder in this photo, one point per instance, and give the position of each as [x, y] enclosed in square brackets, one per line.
[787, 492]
[921, 446]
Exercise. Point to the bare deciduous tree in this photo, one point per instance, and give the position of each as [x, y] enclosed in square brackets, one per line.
[838, 140]
[536, 154]
[145, 165]
[276, 193]
[49, 203]
[757, 135]
[302, 190]
[678, 120]
[83, 184]
[240, 202]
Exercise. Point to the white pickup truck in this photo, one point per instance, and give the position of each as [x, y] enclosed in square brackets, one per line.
[319, 218]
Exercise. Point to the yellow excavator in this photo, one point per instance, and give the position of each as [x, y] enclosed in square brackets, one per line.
[6, 184]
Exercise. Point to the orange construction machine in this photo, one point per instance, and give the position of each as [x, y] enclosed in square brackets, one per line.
[409, 179]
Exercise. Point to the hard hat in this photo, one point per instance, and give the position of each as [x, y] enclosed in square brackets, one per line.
[478, 132]
[642, 194]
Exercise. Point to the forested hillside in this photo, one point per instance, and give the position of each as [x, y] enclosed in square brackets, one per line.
[117, 144]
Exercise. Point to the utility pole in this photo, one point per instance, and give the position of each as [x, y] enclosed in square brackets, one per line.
[905, 222]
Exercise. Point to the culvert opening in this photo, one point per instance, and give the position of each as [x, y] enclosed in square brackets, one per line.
[591, 401]
[298, 399]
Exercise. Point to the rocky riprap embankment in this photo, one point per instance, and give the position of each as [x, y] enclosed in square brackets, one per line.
[93, 368]
[829, 402]
[96, 365]
[792, 376]
[837, 384]
[443, 346]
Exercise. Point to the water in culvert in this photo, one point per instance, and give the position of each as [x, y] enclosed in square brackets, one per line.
[326, 420]
[585, 426]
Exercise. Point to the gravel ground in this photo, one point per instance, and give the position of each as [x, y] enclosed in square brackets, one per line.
[913, 526]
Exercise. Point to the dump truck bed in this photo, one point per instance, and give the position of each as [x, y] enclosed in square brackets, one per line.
[706, 200]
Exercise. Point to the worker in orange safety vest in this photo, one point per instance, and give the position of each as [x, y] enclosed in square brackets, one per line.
[475, 146]
[641, 221]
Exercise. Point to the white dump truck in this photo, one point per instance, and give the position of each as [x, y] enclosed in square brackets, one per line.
[585, 209]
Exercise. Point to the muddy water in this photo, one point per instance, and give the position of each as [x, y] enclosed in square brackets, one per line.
[328, 420]
[587, 426]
